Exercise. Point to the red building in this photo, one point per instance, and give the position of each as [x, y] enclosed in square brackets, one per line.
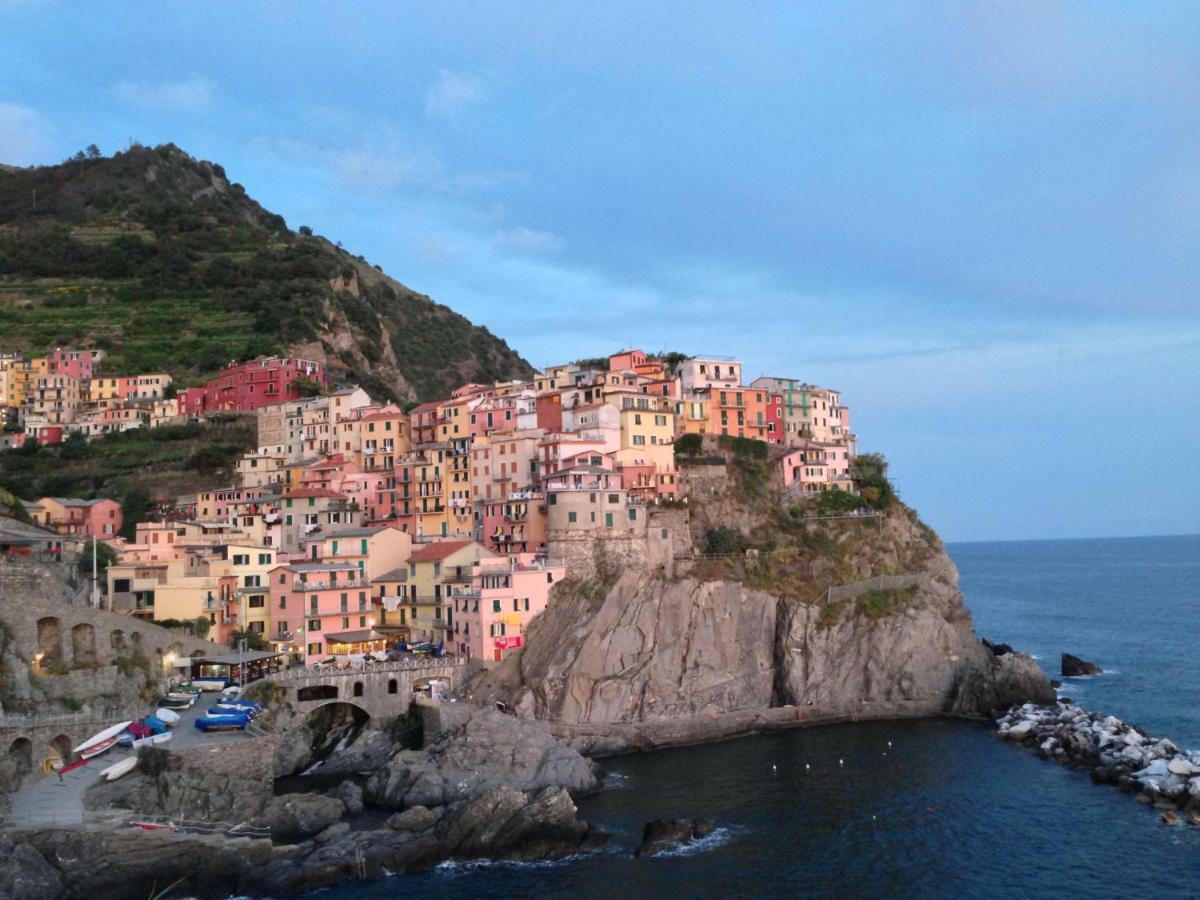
[75, 363]
[248, 386]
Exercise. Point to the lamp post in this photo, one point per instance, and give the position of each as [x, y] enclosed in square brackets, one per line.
[303, 645]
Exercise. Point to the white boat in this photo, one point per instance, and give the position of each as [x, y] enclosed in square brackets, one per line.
[151, 740]
[181, 696]
[102, 736]
[209, 685]
[167, 715]
[232, 692]
[98, 748]
[116, 770]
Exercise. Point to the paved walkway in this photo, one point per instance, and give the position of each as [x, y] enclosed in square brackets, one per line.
[54, 801]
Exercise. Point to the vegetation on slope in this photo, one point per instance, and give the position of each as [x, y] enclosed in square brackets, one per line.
[159, 260]
[139, 468]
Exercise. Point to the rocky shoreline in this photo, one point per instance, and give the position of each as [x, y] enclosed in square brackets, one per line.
[1158, 772]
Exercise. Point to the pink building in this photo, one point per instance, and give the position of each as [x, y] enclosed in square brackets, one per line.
[491, 616]
[311, 600]
[515, 524]
[250, 385]
[100, 519]
[75, 363]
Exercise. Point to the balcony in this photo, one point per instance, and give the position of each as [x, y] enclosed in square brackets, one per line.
[300, 586]
[469, 593]
[456, 578]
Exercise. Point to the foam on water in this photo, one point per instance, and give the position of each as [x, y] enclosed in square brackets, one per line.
[710, 841]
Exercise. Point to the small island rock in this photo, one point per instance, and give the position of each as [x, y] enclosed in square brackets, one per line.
[1073, 667]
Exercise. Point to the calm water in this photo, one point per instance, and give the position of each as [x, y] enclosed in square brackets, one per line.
[945, 811]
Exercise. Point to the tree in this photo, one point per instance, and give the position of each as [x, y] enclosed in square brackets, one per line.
[93, 152]
[869, 473]
[74, 447]
[254, 640]
[306, 387]
[134, 506]
[105, 556]
[305, 230]
[202, 626]
[689, 445]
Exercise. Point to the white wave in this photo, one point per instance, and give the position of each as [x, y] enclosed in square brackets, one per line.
[313, 767]
[454, 868]
[614, 780]
[710, 841]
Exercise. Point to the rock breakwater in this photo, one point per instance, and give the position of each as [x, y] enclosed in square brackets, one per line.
[1117, 753]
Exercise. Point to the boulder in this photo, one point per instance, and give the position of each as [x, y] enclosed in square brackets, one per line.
[667, 834]
[504, 823]
[1170, 817]
[25, 873]
[998, 649]
[418, 818]
[1181, 766]
[351, 795]
[293, 817]
[1074, 667]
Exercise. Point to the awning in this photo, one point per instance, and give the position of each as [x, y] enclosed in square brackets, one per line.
[362, 636]
[236, 659]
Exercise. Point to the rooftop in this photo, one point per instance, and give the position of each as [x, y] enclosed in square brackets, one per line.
[437, 551]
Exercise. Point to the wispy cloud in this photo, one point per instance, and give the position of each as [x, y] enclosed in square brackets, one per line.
[22, 135]
[452, 93]
[528, 240]
[193, 93]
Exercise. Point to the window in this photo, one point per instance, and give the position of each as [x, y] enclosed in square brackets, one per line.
[314, 624]
[314, 649]
[312, 604]
[516, 605]
[257, 602]
[571, 517]
[608, 520]
[283, 602]
[614, 498]
[345, 621]
[526, 604]
[632, 514]
[496, 606]
[344, 599]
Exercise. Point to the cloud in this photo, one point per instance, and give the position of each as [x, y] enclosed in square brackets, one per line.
[22, 135]
[193, 93]
[452, 93]
[528, 240]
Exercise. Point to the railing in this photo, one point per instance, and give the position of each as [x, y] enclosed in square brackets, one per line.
[407, 665]
[106, 715]
[301, 586]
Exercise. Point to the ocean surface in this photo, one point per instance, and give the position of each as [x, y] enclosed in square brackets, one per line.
[930, 809]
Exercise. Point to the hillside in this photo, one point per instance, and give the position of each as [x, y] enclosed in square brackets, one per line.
[162, 262]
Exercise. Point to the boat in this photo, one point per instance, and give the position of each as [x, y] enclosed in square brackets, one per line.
[151, 826]
[215, 722]
[116, 770]
[182, 696]
[232, 692]
[135, 731]
[177, 704]
[167, 715]
[99, 747]
[227, 706]
[210, 684]
[152, 740]
[111, 732]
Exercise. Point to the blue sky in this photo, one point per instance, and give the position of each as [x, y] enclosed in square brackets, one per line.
[980, 221]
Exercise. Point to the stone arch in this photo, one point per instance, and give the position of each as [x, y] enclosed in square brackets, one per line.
[20, 758]
[393, 686]
[196, 654]
[60, 751]
[135, 641]
[49, 639]
[358, 689]
[117, 641]
[317, 692]
[83, 643]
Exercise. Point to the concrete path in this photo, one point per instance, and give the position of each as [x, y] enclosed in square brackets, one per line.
[51, 801]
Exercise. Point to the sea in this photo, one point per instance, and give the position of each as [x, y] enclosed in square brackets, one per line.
[923, 808]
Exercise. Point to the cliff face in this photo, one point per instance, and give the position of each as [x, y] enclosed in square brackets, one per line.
[655, 660]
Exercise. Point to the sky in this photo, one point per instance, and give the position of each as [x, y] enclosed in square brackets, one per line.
[979, 221]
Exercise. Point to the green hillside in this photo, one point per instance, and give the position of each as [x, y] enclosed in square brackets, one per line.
[160, 261]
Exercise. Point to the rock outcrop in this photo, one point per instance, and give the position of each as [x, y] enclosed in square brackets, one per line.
[489, 751]
[667, 834]
[1074, 667]
[655, 660]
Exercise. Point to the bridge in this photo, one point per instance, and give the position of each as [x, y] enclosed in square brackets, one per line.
[381, 690]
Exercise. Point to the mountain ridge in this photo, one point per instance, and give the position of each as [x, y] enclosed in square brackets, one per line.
[166, 264]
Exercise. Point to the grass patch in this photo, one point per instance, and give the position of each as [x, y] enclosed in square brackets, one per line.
[879, 604]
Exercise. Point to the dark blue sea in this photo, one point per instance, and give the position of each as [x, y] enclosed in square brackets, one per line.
[929, 809]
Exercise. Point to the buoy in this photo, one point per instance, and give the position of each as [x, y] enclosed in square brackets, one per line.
[807, 767]
[889, 743]
[774, 768]
[841, 762]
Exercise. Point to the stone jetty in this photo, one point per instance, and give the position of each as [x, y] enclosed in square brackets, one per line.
[1160, 773]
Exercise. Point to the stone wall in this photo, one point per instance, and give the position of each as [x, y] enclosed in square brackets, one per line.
[655, 546]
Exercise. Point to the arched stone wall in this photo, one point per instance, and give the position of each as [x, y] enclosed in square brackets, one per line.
[317, 692]
[117, 641]
[20, 755]
[83, 643]
[49, 639]
[60, 746]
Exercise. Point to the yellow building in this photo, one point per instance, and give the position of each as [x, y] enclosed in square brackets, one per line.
[433, 569]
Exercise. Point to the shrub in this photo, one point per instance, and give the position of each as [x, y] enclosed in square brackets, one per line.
[830, 503]
[869, 473]
[723, 541]
[689, 445]
[879, 604]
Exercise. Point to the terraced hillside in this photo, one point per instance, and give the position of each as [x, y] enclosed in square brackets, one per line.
[161, 261]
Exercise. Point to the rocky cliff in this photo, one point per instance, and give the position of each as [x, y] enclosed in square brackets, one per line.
[822, 620]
